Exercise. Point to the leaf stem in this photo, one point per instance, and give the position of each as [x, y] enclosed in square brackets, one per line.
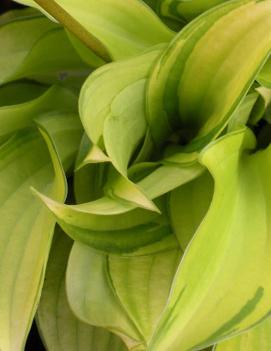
[69, 22]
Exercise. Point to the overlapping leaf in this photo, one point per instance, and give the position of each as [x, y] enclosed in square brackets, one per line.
[28, 101]
[200, 111]
[264, 76]
[15, 52]
[142, 119]
[26, 227]
[103, 87]
[188, 205]
[125, 295]
[60, 329]
[111, 225]
[141, 283]
[26, 231]
[117, 119]
[183, 10]
[39, 49]
[257, 338]
[124, 28]
[233, 236]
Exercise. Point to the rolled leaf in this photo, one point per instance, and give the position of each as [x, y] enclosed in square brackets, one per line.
[232, 245]
[200, 111]
[103, 87]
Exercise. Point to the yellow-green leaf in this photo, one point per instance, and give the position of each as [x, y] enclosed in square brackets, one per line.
[60, 329]
[26, 230]
[224, 277]
[125, 28]
[257, 338]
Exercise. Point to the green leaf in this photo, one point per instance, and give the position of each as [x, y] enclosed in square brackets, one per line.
[110, 225]
[87, 172]
[143, 285]
[92, 175]
[99, 225]
[242, 114]
[261, 108]
[168, 177]
[104, 85]
[185, 10]
[257, 338]
[84, 52]
[125, 126]
[105, 223]
[200, 111]
[225, 273]
[188, 205]
[151, 3]
[26, 230]
[164, 178]
[65, 130]
[92, 297]
[126, 295]
[122, 189]
[19, 31]
[20, 92]
[64, 67]
[28, 38]
[60, 329]
[113, 124]
[264, 76]
[124, 28]
[20, 114]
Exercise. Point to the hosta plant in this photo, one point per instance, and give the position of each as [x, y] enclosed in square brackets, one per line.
[135, 175]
